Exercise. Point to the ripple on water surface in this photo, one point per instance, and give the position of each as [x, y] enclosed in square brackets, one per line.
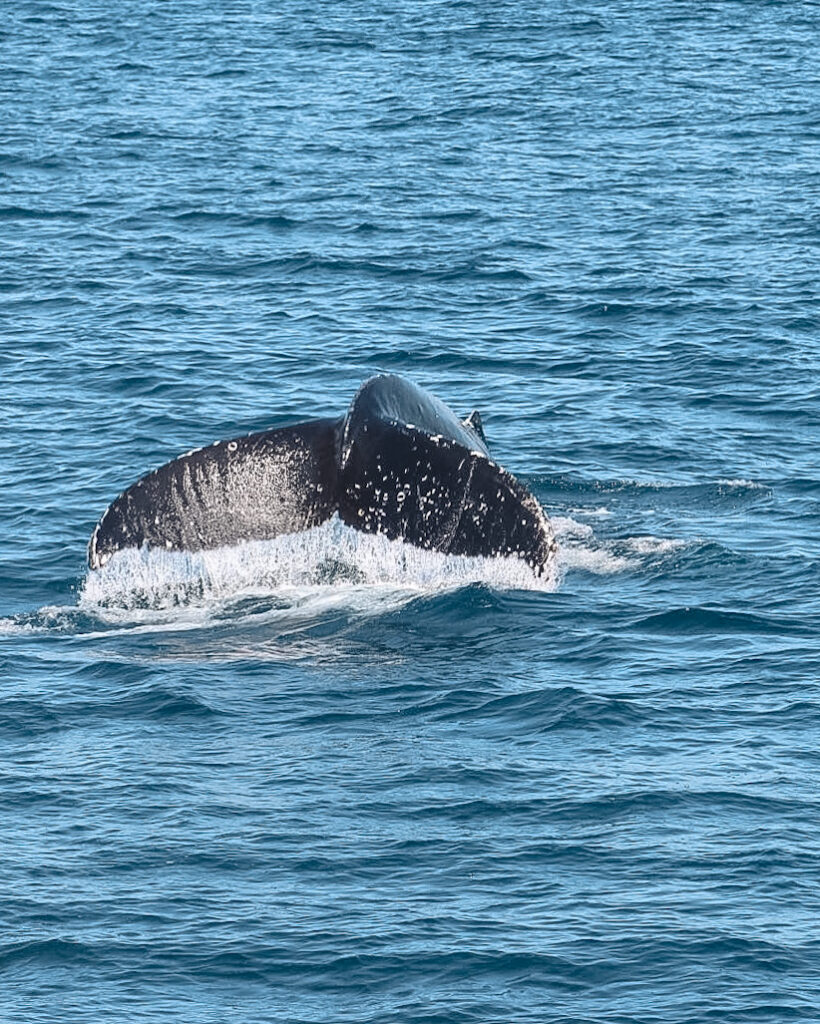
[328, 779]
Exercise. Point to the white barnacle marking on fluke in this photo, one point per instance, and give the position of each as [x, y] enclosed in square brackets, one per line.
[232, 446]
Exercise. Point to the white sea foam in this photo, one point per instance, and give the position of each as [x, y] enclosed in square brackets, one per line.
[750, 485]
[565, 528]
[326, 559]
[294, 580]
[653, 545]
[580, 549]
[598, 512]
[599, 560]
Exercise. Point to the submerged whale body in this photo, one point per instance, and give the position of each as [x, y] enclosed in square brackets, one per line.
[399, 463]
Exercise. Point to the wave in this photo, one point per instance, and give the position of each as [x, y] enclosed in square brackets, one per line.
[322, 572]
[236, 219]
[329, 555]
[330, 573]
[22, 717]
[708, 494]
[581, 550]
[702, 619]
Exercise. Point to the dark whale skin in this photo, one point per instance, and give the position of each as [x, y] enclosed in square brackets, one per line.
[409, 468]
[255, 487]
[399, 463]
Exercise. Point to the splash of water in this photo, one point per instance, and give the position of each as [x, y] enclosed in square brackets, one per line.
[332, 555]
[297, 578]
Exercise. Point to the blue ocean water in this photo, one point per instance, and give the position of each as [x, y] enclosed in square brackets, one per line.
[402, 791]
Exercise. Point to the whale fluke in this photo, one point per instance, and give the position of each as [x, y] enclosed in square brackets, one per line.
[400, 462]
[251, 488]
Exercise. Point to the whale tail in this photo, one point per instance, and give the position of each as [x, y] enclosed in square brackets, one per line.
[429, 490]
[413, 471]
[399, 463]
[473, 421]
[251, 488]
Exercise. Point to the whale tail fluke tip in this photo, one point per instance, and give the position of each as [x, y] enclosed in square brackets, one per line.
[474, 422]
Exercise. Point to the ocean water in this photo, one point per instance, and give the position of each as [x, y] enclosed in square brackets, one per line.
[327, 778]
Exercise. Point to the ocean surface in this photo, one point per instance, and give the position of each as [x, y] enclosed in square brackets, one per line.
[325, 779]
